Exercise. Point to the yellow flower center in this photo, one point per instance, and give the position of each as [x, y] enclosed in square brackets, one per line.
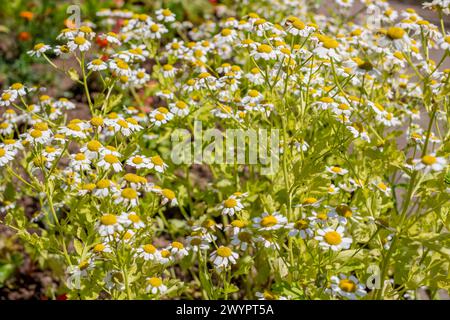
[166, 12]
[111, 158]
[134, 218]
[382, 186]
[155, 282]
[80, 157]
[177, 245]
[99, 247]
[97, 121]
[36, 133]
[129, 193]
[225, 32]
[429, 160]
[224, 252]
[269, 221]
[332, 238]
[157, 160]
[169, 194]
[264, 48]
[230, 203]
[17, 86]
[137, 160]
[160, 117]
[149, 248]
[79, 40]
[344, 210]
[347, 285]
[395, 33]
[336, 169]
[83, 265]
[103, 184]
[94, 145]
[74, 127]
[108, 219]
[310, 200]
[301, 224]
[154, 28]
[181, 105]
[330, 43]
[238, 223]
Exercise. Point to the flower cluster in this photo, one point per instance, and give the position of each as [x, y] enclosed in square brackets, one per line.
[363, 113]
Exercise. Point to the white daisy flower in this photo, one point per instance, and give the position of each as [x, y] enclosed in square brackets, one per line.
[333, 239]
[347, 287]
[268, 221]
[156, 286]
[223, 257]
[108, 225]
[79, 43]
[430, 162]
[39, 49]
[230, 206]
[109, 160]
[148, 252]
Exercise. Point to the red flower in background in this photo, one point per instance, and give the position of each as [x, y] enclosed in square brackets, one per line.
[62, 297]
[24, 36]
[101, 42]
[27, 15]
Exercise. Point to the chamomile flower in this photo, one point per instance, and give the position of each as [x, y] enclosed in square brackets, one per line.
[6, 156]
[380, 185]
[108, 225]
[148, 252]
[301, 228]
[160, 116]
[39, 49]
[265, 52]
[165, 15]
[73, 129]
[110, 161]
[309, 202]
[156, 285]
[268, 295]
[102, 248]
[243, 239]
[97, 65]
[104, 188]
[79, 43]
[79, 162]
[92, 149]
[336, 170]
[169, 71]
[223, 257]
[7, 97]
[156, 30]
[269, 222]
[196, 243]
[347, 287]
[138, 162]
[333, 239]
[344, 213]
[231, 205]
[179, 108]
[82, 269]
[177, 249]
[168, 197]
[157, 163]
[127, 196]
[430, 162]
[18, 89]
